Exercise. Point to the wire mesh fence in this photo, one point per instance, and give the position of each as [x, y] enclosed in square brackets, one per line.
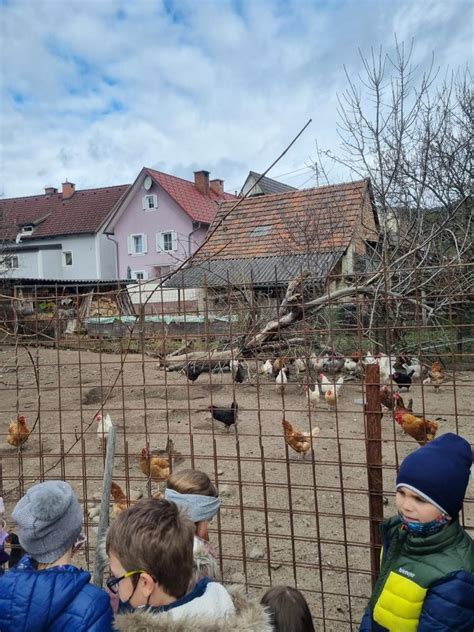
[297, 510]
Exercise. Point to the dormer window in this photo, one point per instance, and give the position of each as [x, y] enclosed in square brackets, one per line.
[27, 229]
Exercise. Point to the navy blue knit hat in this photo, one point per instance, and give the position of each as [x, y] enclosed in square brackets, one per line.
[439, 472]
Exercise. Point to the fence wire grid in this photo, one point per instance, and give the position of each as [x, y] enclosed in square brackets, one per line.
[310, 520]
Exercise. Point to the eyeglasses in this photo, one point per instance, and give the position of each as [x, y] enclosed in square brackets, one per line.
[113, 582]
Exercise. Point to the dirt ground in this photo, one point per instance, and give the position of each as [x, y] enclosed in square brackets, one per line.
[285, 520]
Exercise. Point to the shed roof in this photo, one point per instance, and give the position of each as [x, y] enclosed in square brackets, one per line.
[258, 272]
[267, 185]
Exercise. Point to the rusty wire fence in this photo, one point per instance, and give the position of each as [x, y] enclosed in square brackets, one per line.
[155, 360]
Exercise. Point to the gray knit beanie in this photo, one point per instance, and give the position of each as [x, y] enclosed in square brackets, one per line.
[49, 519]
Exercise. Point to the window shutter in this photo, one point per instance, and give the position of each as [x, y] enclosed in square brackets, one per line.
[145, 248]
[130, 245]
[155, 200]
[174, 238]
[145, 275]
[144, 204]
[159, 242]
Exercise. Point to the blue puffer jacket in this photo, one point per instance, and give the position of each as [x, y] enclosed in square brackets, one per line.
[56, 599]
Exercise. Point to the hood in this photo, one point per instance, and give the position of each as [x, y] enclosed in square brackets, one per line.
[30, 601]
[250, 616]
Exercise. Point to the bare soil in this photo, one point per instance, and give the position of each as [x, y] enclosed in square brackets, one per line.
[285, 519]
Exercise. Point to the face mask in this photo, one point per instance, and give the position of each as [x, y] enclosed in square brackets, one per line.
[422, 529]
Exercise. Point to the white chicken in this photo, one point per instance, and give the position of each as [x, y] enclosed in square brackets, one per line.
[300, 365]
[317, 363]
[369, 358]
[350, 365]
[103, 426]
[281, 380]
[266, 368]
[325, 383]
[312, 394]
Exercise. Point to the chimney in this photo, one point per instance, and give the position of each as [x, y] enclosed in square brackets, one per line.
[50, 190]
[69, 189]
[217, 186]
[201, 181]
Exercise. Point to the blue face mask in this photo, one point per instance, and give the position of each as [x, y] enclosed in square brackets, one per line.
[422, 529]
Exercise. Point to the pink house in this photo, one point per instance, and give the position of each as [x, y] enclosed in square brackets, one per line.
[161, 221]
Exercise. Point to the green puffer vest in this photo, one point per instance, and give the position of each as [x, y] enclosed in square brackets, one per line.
[411, 564]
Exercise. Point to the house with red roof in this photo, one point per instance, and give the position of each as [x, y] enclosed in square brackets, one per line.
[59, 235]
[161, 220]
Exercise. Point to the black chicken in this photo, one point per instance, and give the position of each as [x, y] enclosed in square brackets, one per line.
[227, 416]
[403, 380]
[239, 375]
[193, 371]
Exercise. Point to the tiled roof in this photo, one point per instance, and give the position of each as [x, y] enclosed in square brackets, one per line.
[199, 207]
[314, 220]
[258, 271]
[84, 212]
[268, 185]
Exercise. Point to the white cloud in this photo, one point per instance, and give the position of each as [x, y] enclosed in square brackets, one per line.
[92, 91]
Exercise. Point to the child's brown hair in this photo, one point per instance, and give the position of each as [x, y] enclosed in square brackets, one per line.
[155, 536]
[289, 610]
[192, 482]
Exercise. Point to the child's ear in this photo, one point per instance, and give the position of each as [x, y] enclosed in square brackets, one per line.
[148, 584]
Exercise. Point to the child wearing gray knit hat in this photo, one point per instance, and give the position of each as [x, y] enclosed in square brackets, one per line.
[49, 519]
[45, 591]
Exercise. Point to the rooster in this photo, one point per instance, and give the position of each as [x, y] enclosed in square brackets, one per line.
[103, 426]
[298, 441]
[120, 500]
[332, 393]
[18, 431]
[436, 376]
[193, 371]
[313, 395]
[227, 416]
[422, 430]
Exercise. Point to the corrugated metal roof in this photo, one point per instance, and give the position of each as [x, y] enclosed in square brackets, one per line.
[33, 281]
[258, 271]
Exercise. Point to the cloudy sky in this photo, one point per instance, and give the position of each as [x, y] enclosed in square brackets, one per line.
[92, 90]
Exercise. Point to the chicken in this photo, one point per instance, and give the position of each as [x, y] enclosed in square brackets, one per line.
[227, 416]
[416, 366]
[369, 358]
[281, 380]
[332, 393]
[313, 395]
[279, 364]
[237, 371]
[386, 397]
[154, 466]
[266, 368]
[300, 365]
[403, 380]
[298, 441]
[325, 383]
[317, 363]
[18, 431]
[193, 371]
[103, 426]
[436, 376]
[120, 500]
[422, 430]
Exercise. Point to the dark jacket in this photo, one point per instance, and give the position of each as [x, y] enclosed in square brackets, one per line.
[56, 599]
[425, 583]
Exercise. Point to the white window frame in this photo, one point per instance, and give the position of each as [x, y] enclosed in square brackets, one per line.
[8, 260]
[160, 241]
[28, 229]
[131, 244]
[67, 252]
[145, 202]
[144, 274]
